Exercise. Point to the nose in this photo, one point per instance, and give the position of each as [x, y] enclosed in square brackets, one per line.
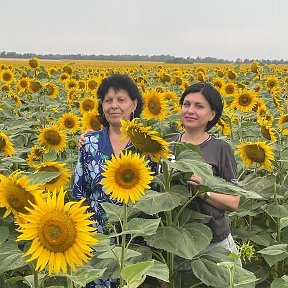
[114, 104]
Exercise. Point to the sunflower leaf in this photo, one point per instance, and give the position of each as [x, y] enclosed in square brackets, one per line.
[134, 274]
[154, 202]
[42, 177]
[11, 257]
[184, 242]
[85, 275]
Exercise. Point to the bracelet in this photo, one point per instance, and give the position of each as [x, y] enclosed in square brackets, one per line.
[206, 195]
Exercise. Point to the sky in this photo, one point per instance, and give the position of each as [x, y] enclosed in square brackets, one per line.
[227, 29]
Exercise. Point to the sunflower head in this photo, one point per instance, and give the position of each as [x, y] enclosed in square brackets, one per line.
[53, 138]
[69, 121]
[6, 76]
[268, 133]
[155, 106]
[52, 90]
[58, 182]
[145, 139]
[6, 145]
[256, 152]
[16, 194]
[34, 63]
[282, 124]
[245, 100]
[61, 233]
[88, 104]
[126, 177]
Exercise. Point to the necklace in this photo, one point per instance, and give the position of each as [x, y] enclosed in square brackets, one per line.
[182, 138]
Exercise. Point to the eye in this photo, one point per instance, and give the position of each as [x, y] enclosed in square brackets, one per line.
[186, 104]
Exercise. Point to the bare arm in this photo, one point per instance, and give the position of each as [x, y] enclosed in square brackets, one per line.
[221, 201]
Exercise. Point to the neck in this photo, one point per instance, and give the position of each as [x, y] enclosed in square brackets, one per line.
[195, 137]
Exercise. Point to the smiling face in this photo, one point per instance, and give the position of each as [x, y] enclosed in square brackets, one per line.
[196, 112]
[118, 105]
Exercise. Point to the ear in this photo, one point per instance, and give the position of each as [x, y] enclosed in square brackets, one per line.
[213, 114]
[135, 103]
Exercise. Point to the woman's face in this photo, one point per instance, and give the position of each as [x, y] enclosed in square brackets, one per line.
[118, 105]
[196, 112]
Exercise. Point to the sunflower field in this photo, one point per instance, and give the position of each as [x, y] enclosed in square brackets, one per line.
[48, 240]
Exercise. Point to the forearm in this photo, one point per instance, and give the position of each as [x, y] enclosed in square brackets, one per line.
[222, 201]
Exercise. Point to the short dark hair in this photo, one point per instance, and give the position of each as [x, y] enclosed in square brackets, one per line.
[117, 82]
[211, 95]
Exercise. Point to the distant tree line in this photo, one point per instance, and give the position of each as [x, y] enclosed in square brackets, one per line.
[154, 58]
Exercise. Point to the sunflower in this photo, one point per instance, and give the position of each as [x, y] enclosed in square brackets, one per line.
[264, 118]
[61, 234]
[88, 104]
[52, 90]
[155, 106]
[71, 84]
[283, 120]
[256, 152]
[223, 127]
[6, 76]
[5, 88]
[35, 86]
[23, 83]
[229, 89]
[34, 63]
[90, 120]
[64, 77]
[218, 83]
[53, 138]
[145, 139]
[272, 82]
[16, 194]
[81, 84]
[244, 101]
[58, 182]
[232, 75]
[6, 145]
[69, 121]
[126, 177]
[16, 99]
[71, 95]
[255, 66]
[67, 69]
[92, 84]
[35, 154]
[268, 133]
[169, 95]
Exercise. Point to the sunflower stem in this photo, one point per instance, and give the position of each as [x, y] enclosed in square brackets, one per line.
[123, 244]
[69, 281]
[36, 280]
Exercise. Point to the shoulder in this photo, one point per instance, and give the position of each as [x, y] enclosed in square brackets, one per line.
[220, 143]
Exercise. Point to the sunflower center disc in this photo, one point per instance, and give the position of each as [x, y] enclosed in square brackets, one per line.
[2, 144]
[57, 232]
[88, 105]
[52, 137]
[19, 198]
[69, 123]
[154, 107]
[245, 100]
[255, 153]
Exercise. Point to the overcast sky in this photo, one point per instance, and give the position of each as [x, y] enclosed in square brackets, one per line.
[229, 29]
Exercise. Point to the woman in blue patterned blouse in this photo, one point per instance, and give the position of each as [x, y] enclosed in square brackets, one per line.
[119, 98]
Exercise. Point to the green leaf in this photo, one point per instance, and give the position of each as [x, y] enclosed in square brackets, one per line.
[115, 253]
[280, 282]
[4, 233]
[216, 184]
[274, 254]
[143, 227]
[154, 202]
[185, 243]
[42, 177]
[283, 222]
[215, 275]
[135, 274]
[159, 270]
[11, 257]
[115, 212]
[85, 275]
[276, 210]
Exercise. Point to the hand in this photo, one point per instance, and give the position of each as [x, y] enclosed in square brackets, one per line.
[81, 140]
[194, 180]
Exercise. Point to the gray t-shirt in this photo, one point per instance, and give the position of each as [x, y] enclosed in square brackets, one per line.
[220, 156]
